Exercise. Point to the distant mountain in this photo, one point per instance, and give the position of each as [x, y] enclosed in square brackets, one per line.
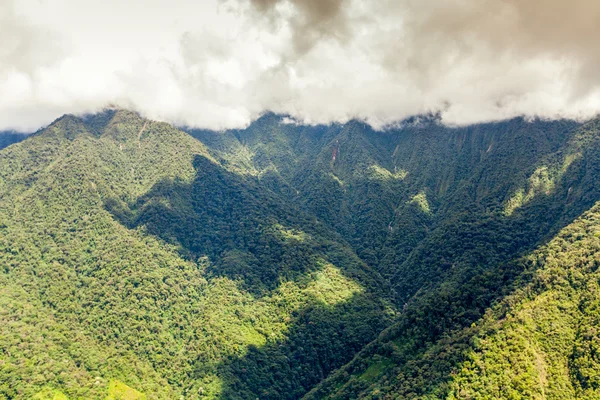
[283, 261]
[9, 137]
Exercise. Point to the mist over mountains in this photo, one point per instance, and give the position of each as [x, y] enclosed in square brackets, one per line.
[219, 64]
[299, 199]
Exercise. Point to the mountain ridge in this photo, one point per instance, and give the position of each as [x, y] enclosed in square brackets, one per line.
[257, 262]
[86, 254]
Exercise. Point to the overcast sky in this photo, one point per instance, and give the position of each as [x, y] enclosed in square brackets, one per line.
[220, 63]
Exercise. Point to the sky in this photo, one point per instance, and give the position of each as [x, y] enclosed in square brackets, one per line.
[219, 64]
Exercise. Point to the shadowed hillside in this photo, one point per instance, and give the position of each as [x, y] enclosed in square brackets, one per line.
[426, 353]
[166, 268]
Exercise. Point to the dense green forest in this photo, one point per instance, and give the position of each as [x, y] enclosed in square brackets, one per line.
[284, 261]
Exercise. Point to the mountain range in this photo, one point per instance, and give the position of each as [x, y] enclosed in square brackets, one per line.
[287, 261]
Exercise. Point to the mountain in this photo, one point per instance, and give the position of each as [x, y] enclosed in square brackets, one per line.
[505, 327]
[131, 257]
[9, 137]
[284, 261]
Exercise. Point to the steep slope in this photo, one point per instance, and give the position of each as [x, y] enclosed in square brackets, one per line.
[441, 212]
[138, 261]
[407, 198]
[134, 263]
[542, 341]
[434, 351]
[539, 342]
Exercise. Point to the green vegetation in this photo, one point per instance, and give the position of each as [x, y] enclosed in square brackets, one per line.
[119, 391]
[281, 261]
[538, 342]
[49, 394]
[128, 254]
[501, 321]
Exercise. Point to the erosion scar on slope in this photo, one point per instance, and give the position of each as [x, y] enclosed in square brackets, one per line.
[140, 134]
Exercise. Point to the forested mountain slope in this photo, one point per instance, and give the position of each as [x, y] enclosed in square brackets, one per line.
[141, 261]
[407, 198]
[131, 259]
[447, 343]
[445, 214]
[540, 341]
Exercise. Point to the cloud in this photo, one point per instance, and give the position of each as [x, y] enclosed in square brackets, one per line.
[220, 63]
[309, 20]
[24, 46]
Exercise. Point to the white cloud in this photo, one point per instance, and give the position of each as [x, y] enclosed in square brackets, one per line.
[219, 64]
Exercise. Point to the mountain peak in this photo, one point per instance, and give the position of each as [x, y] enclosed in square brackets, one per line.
[69, 126]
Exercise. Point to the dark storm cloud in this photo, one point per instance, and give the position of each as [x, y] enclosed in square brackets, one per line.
[310, 20]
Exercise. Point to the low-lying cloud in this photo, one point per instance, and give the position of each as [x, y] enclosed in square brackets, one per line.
[221, 63]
